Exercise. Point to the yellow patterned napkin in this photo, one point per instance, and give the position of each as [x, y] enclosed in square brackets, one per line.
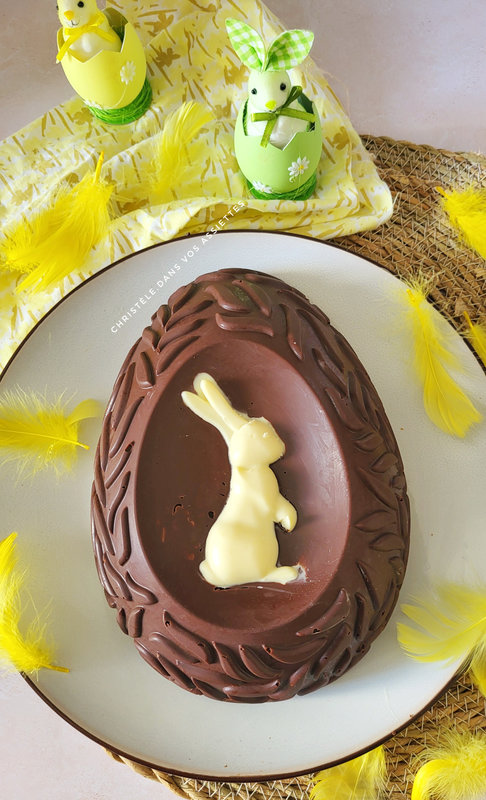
[189, 57]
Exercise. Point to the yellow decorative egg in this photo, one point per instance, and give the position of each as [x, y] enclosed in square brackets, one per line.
[111, 83]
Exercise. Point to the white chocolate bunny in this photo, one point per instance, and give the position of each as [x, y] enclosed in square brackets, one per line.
[86, 29]
[273, 108]
[242, 546]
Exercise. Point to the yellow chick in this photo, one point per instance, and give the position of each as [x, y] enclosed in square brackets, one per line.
[86, 30]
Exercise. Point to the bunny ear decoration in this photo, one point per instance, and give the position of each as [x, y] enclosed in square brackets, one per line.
[211, 405]
[205, 385]
[288, 50]
[200, 406]
[247, 44]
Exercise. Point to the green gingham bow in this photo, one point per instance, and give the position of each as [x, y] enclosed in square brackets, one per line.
[288, 50]
[283, 111]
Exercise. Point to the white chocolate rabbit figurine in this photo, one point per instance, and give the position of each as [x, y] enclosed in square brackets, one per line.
[86, 29]
[273, 109]
[242, 546]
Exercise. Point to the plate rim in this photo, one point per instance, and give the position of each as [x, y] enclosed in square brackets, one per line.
[242, 778]
[117, 750]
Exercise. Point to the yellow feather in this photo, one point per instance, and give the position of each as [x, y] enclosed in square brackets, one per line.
[18, 250]
[478, 666]
[450, 624]
[454, 770]
[37, 434]
[58, 239]
[175, 152]
[466, 211]
[477, 337]
[444, 401]
[362, 778]
[27, 652]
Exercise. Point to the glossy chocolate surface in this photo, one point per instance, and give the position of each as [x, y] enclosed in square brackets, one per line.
[162, 477]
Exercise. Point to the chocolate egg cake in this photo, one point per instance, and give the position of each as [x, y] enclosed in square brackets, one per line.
[163, 479]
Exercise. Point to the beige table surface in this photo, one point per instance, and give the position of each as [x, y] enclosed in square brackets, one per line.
[403, 68]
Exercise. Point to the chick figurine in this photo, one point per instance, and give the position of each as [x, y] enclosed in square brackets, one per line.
[86, 29]
[103, 60]
[278, 137]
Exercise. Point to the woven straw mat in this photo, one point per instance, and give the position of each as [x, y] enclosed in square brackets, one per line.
[417, 237]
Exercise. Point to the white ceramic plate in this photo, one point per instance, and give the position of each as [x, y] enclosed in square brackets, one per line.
[110, 693]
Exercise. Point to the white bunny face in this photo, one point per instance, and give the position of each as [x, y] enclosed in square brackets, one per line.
[73, 13]
[254, 444]
[268, 90]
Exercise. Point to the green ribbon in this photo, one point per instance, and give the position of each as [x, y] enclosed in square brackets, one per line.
[284, 111]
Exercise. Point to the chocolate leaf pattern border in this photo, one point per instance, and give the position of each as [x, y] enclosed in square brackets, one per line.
[331, 640]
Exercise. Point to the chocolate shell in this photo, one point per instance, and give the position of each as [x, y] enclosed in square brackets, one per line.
[162, 477]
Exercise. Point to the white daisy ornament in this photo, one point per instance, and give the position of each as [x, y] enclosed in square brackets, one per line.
[298, 167]
[128, 72]
[262, 187]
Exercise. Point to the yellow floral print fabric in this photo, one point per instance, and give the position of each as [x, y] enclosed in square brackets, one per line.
[189, 57]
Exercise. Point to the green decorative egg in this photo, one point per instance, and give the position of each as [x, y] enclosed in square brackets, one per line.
[271, 172]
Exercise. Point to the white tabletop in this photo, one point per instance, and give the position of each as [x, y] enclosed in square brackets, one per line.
[409, 70]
